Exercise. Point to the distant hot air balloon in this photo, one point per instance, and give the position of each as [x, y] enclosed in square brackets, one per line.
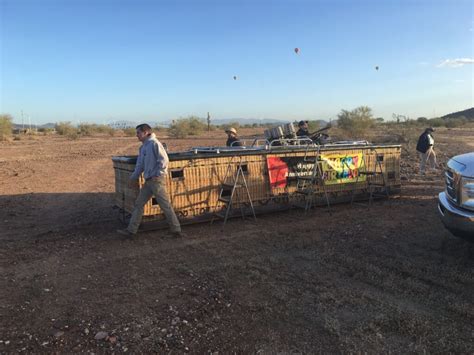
[235, 78]
[377, 67]
[297, 50]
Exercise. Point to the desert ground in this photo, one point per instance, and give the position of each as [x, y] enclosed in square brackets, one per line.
[388, 278]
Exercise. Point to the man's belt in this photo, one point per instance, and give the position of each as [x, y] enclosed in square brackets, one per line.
[153, 178]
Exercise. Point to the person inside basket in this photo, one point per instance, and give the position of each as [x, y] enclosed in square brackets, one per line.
[303, 129]
[152, 161]
[232, 139]
[426, 151]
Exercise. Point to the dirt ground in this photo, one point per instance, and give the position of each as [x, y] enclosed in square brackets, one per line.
[385, 279]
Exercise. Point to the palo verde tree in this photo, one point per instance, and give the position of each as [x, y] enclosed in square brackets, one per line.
[183, 127]
[356, 122]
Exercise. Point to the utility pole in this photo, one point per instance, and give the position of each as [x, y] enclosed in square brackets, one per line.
[208, 122]
[22, 122]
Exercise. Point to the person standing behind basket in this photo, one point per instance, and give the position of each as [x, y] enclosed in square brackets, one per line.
[426, 151]
[152, 161]
[232, 139]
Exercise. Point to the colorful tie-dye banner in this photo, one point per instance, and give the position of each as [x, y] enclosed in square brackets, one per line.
[341, 169]
[337, 169]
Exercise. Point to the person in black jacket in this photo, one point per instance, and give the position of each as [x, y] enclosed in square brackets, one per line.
[232, 139]
[426, 151]
[303, 129]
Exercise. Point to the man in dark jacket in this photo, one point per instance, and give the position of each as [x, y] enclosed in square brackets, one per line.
[425, 149]
[303, 129]
[232, 139]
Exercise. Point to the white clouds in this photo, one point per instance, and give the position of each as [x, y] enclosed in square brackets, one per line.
[455, 63]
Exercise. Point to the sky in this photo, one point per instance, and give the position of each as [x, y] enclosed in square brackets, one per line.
[99, 61]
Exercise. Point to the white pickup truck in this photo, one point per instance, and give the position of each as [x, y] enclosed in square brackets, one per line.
[456, 202]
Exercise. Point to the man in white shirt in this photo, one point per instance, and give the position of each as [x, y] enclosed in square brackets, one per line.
[153, 162]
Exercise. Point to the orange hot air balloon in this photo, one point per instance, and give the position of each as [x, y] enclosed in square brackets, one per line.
[297, 50]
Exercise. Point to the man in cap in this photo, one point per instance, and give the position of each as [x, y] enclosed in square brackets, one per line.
[153, 162]
[303, 129]
[426, 151]
[232, 139]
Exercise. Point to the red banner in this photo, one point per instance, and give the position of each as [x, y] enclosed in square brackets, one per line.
[277, 171]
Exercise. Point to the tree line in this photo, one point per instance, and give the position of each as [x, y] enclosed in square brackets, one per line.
[355, 123]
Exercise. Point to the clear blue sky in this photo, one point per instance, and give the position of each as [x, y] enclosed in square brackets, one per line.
[101, 60]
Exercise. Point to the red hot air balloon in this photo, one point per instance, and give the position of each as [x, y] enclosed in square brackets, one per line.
[297, 50]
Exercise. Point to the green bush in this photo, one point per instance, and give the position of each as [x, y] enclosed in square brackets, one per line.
[436, 122]
[183, 127]
[233, 124]
[73, 135]
[130, 132]
[46, 130]
[5, 126]
[456, 122]
[65, 128]
[87, 129]
[356, 123]
[313, 126]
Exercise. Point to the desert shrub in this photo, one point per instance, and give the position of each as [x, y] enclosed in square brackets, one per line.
[455, 122]
[65, 128]
[312, 126]
[422, 120]
[356, 123]
[161, 128]
[105, 129]
[234, 124]
[436, 122]
[5, 126]
[410, 123]
[197, 125]
[72, 135]
[130, 132]
[179, 129]
[183, 127]
[87, 129]
[46, 130]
